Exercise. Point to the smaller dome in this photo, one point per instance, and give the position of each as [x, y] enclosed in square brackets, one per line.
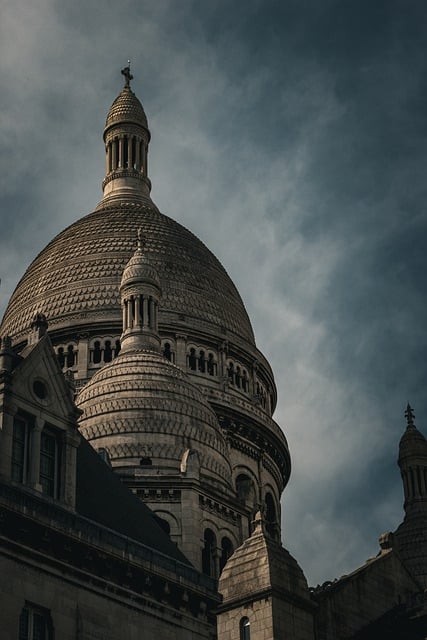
[142, 405]
[126, 108]
[139, 270]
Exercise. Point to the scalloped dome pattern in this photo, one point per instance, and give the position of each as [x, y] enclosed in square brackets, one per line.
[151, 396]
[138, 269]
[126, 108]
[75, 280]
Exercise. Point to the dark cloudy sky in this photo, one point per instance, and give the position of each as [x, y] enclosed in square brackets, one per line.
[291, 137]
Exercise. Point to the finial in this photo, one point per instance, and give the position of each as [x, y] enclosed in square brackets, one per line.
[409, 415]
[127, 74]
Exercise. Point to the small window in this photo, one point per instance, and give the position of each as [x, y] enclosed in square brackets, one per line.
[245, 629]
[20, 449]
[49, 464]
[209, 554]
[35, 624]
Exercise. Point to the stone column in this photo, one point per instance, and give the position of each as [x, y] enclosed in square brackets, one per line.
[181, 347]
[70, 442]
[83, 356]
[121, 141]
[137, 154]
[138, 311]
[114, 154]
[145, 311]
[129, 306]
[34, 468]
[130, 158]
[6, 440]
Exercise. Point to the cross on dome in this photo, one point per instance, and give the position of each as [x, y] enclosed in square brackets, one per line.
[409, 415]
[127, 74]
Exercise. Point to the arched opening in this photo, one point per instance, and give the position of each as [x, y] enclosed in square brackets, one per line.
[226, 552]
[167, 352]
[192, 360]
[245, 489]
[70, 356]
[245, 629]
[270, 515]
[61, 357]
[146, 462]
[108, 352]
[97, 352]
[209, 554]
[202, 362]
[164, 524]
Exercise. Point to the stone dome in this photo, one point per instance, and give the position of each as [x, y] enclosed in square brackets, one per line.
[75, 280]
[142, 406]
[126, 108]
[139, 269]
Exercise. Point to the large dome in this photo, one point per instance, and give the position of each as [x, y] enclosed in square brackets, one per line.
[75, 280]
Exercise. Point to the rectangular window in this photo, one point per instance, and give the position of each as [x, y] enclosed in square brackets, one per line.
[35, 624]
[49, 463]
[20, 449]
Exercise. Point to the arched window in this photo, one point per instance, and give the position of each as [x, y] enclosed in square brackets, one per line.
[164, 524]
[70, 356]
[202, 362]
[211, 364]
[167, 352]
[230, 373]
[97, 352]
[245, 629]
[146, 462]
[226, 552]
[108, 352]
[192, 360]
[245, 489]
[209, 554]
[117, 349]
[245, 385]
[238, 377]
[61, 357]
[270, 515]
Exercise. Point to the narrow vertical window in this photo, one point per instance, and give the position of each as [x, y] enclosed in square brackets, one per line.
[245, 629]
[35, 624]
[20, 450]
[49, 464]
[209, 554]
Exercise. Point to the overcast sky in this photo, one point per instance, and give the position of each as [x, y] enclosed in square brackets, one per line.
[291, 137]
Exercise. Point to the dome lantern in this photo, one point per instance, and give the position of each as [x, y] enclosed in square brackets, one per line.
[126, 137]
[140, 292]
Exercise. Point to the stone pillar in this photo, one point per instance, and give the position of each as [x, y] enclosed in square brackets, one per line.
[145, 311]
[83, 357]
[138, 311]
[6, 440]
[70, 442]
[137, 154]
[114, 154]
[34, 468]
[121, 144]
[181, 348]
[129, 309]
[130, 158]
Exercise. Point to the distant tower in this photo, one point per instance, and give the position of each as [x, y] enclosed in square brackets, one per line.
[411, 535]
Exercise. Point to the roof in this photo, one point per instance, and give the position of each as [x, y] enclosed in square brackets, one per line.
[75, 280]
[101, 497]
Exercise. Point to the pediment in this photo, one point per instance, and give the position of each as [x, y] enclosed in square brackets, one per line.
[39, 381]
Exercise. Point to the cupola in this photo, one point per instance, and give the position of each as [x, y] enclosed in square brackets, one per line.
[413, 464]
[126, 138]
[140, 292]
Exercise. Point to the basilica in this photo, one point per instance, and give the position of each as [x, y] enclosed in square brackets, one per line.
[141, 469]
